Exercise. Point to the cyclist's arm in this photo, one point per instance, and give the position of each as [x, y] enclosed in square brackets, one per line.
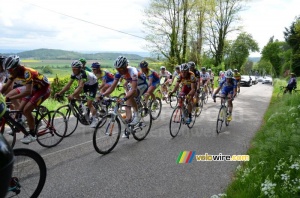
[79, 88]
[217, 90]
[112, 87]
[192, 92]
[176, 87]
[66, 88]
[150, 82]
[103, 82]
[7, 85]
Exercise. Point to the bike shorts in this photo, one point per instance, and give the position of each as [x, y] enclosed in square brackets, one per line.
[91, 90]
[141, 89]
[154, 84]
[37, 97]
[185, 90]
[226, 92]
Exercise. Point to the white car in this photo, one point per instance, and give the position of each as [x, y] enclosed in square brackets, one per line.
[254, 80]
[267, 80]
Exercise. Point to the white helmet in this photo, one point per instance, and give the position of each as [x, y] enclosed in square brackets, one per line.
[184, 67]
[121, 61]
[228, 74]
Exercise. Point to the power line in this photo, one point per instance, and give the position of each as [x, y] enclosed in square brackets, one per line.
[83, 20]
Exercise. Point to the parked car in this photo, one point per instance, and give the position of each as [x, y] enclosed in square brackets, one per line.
[267, 80]
[246, 81]
[254, 80]
[260, 79]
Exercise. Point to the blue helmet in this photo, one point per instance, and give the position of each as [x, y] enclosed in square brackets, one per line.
[96, 65]
[143, 64]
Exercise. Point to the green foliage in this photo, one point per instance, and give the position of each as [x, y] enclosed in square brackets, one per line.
[58, 84]
[47, 70]
[274, 166]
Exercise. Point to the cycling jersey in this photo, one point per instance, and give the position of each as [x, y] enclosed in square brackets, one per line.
[212, 77]
[227, 87]
[204, 76]
[30, 76]
[175, 74]
[4, 76]
[237, 76]
[152, 74]
[132, 75]
[197, 73]
[107, 76]
[188, 80]
[88, 77]
[166, 74]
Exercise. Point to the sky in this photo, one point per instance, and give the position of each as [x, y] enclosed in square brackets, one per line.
[26, 26]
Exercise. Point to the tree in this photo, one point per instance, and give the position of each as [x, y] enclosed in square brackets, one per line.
[240, 49]
[273, 52]
[220, 25]
[292, 37]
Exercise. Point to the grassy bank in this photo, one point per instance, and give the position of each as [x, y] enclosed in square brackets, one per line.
[274, 166]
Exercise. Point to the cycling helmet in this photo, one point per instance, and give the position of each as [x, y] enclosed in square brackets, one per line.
[209, 70]
[162, 67]
[96, 65]
[143, 64]
[228, 74]
[177, 67]
[6, 165]
[184, 67]
[203, 69]
[235, 70]
[82, 60]
[76, 64]
[120, 62]
[221, 72]
[12, 62]
[191, 64]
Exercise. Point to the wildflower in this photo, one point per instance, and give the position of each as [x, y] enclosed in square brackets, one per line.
[295, 166]
[285, 177]
[268, 188]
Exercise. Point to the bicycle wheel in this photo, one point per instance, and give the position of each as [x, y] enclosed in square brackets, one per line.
[141, 130]
[9, 132]
[29, 174]
[175, 121]
[155, 108]
[173, 101]
[205, 98]
[106, 134]
[51, 133]
[191, 124]
[72, 120]
[221, 119]
[199, 108]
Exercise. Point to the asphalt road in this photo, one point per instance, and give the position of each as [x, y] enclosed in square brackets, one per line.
[148, 168]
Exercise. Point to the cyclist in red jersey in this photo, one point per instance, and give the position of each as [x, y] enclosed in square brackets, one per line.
[34, 91]
[188, 81]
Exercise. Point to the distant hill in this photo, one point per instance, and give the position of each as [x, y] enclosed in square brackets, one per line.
[254, 59]
[55, 54]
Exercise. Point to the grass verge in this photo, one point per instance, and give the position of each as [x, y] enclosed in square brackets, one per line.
[274, 166]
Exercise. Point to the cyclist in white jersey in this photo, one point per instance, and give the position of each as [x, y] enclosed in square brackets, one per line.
[165, 79]
[87, 81]
[176, 73]
[204, 78]
[138, 84]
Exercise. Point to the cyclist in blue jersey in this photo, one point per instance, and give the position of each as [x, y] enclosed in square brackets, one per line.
[104, 77]
[87, 82]
[138, 84]
[153, 80]
[228, 88]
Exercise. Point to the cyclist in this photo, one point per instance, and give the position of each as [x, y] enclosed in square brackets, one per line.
[212, 83]
[292, 84]
[221, 76]
[153, 80]
[3, 73]
[83, 61]
[176, 73]
[165, 79]
[87, 82]
[228, 89]
[196, 72]
[237, 77]
[138, 84]
[35, 90]
[204, 79]
[187, 80]
[104, 76]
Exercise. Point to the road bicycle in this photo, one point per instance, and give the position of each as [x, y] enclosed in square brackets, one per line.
[107, 132]
[50, 126]
[179, 116]
[283, 90]
[223, 114]
[29, 174]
